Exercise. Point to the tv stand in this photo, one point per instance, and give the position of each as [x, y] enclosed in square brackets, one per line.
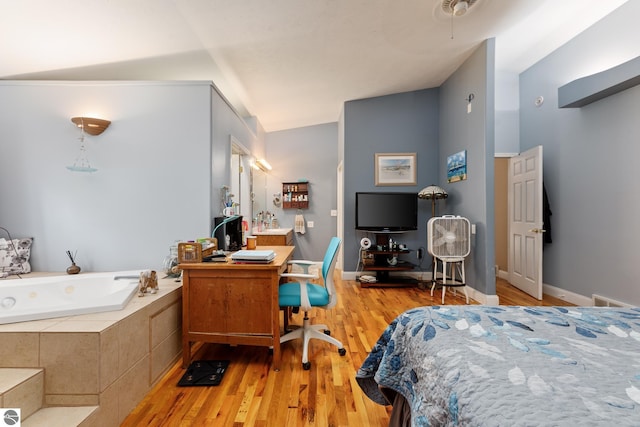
[384, 260]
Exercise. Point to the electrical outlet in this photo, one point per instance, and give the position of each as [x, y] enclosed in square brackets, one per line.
[419, 253]
[310, 224]
[334, 212]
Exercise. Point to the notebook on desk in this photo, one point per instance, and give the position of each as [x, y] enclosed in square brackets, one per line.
[263, 256]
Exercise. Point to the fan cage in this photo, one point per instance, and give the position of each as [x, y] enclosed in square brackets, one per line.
[449, 237]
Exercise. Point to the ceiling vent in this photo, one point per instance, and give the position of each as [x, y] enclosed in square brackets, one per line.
[457, 7]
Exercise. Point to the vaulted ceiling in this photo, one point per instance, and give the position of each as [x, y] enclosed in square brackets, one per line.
[291, 63]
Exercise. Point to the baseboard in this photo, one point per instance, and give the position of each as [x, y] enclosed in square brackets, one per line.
[566, 295]
[556, 292]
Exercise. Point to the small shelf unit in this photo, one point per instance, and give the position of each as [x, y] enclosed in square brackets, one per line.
[378, 260]
[295, 195]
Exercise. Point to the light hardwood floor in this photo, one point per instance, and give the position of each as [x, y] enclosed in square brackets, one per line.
[252, 394]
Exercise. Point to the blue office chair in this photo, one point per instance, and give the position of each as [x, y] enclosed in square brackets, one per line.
[307, 295]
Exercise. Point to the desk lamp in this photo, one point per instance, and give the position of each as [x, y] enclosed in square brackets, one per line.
[433, 193]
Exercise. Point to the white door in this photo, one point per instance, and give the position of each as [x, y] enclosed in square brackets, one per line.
[525, 222]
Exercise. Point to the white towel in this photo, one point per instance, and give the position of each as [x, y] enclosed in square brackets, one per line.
[299, 224]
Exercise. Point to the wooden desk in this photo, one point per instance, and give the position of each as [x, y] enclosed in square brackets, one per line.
[231, 303]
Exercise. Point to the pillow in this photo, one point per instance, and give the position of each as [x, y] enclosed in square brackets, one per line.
[14, 256]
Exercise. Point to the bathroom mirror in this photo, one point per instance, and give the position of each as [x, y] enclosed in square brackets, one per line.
[241, 181]
[260, 191]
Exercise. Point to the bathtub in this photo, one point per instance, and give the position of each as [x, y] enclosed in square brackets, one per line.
[65, 295]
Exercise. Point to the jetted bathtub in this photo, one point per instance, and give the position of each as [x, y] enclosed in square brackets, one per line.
[65, 295]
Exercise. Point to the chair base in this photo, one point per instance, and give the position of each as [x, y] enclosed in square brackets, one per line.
[307, 332]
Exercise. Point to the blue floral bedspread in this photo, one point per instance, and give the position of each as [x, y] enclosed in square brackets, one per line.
[510, 366]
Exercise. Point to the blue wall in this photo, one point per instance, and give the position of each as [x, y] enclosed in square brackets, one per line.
[472, 131]
[400, 123]
[309, 153]
[589, 162]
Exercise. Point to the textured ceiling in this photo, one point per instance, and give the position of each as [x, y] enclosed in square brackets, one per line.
[290, 63]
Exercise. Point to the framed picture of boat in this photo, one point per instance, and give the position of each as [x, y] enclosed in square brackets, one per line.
[457, 166]
[395, 169]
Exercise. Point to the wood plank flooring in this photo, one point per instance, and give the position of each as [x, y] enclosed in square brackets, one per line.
[253, 394]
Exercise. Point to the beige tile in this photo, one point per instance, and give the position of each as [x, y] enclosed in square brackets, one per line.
[75, 324]
[109, 357]
[133, 336]
[71, 399]
[19, 350]
[107, 415]
[71, 362]
[27, 394]
[165, 322]
[9, 377]
[59, 417]
[132, 387]
[164, 355]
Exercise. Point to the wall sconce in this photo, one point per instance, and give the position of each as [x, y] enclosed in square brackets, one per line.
[263, 165]
[91, 126]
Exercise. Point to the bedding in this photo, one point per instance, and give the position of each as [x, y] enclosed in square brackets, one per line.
[510, 366]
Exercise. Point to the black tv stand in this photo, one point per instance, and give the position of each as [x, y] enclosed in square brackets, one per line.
[384, 260]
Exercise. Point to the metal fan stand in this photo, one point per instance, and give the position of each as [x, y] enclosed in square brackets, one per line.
[453, 258]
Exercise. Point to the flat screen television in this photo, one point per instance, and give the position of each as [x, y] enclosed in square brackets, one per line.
[386, 211]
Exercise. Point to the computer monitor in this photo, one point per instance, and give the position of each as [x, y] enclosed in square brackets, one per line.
[229, 235]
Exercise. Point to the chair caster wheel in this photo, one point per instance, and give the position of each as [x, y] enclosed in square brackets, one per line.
[306, 366]
[327, 332]
[342, 351]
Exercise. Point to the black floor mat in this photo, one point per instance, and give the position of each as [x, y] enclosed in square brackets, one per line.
[204, 373]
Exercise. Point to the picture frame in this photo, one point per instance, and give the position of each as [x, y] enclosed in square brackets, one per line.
[457, 166]
[395, 169]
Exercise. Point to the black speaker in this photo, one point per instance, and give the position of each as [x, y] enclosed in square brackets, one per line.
[229, 235]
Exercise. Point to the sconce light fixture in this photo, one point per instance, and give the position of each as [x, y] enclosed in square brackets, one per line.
[91, 125]
[263, 165]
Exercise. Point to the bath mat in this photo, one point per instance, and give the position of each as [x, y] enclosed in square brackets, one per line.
[204, 373]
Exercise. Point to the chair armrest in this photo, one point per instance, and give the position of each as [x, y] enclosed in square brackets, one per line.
[305, 265]
[300, 275]
[302, 262]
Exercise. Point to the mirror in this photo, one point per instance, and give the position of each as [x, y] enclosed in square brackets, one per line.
[240, 184]
[259, 191]
[248, 184]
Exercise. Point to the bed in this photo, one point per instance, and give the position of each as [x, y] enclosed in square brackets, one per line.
[508, 366]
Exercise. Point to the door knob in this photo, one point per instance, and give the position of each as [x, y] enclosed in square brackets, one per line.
[537, 230]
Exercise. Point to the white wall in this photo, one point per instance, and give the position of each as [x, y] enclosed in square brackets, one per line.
[152, 187]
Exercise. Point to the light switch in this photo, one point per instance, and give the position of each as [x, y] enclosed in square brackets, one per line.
[334, 212]
[310, 224]
[473, 229]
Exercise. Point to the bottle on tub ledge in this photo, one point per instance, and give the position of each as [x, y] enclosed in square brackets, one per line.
[73, 268]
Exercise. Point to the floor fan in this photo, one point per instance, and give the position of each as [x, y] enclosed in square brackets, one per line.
[449, 243]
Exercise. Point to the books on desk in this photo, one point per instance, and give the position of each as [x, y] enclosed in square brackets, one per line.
[253, 257]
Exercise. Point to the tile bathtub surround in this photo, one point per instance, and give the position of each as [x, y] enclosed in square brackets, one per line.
[94, 359]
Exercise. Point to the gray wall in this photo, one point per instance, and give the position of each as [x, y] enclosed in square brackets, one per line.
[473, 132]
[154, 183]
[400, 123]
[309, 153]
[589, 162]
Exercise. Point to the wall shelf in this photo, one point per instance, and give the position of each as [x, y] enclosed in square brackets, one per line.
[295, 195]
